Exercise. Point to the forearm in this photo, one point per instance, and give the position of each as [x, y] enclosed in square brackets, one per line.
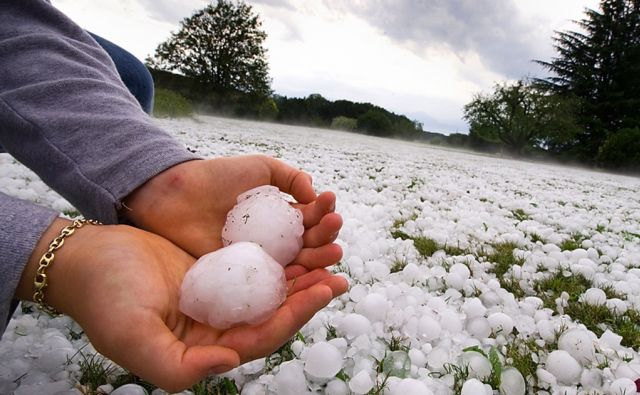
[23, 225]
[67, 115]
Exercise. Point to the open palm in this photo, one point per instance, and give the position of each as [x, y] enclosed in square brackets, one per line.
[124, 291]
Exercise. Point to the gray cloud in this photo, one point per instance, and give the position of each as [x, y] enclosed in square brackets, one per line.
[172, 11]
[503, 38]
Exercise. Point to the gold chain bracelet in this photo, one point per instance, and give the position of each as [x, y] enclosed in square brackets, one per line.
[40, 281]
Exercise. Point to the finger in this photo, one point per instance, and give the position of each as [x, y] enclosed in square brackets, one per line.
[324, 232]
[164, 360]
[292, 271]
[291, 180]
[313, 212]
[306, 280]
[319, 257]
[262, 340]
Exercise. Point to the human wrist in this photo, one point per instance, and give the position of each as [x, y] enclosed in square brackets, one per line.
[139, 205]
[58, 273]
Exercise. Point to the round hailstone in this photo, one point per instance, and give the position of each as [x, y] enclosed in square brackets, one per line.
[323, 360]
[564, 367]
[353, 325]
[512, 382]
[411, 386]
[234, 285]
[623, 386]
[428, 328]
[262, 216]
[579, 343]
[478, 365]
[479, 327]
[500, 323]
[334, 387]
[361, 383]
[594, 297]
[473, 387]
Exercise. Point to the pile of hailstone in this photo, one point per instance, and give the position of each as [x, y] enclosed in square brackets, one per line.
[262, 234]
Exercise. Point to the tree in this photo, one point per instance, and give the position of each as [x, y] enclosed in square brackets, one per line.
[600, 65]
[520, 115]
[221, 46]
[375, 122]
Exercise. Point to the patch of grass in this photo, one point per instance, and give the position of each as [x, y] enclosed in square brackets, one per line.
[398, 265]
[519, 355]
[284, 353]
[459, 373]
[512, 285]
[454, 250]
[95, 370]
[502, 257]
[425, 246]
[331, 332]
[520, 215]
[537, 238]
[573, 243]
[398, 234]
[170, 104]
[130, 378]
[397, 343]
[598, 318]
[216, 386]
[601, 228]
[550, 288]
[71, 213]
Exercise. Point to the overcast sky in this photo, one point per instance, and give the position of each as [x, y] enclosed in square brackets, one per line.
[421, 58]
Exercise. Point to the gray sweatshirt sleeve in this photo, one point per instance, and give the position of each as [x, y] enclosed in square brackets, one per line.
[22, 225]
[65, 113]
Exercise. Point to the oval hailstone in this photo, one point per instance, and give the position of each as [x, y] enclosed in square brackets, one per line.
[233, 285]
[262, 216]
[512, 382]
[564, 367]
[323, 360]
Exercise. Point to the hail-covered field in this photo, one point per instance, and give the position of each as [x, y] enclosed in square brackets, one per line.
[468, 274]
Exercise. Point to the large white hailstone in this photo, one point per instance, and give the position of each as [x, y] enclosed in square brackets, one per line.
[579, 343]
[353, 325]
[361, 383]
[623, 386]
[564, 367]
[500, 323]
[594, 297]
[323, 360]
[290, 379]
[474, 387]
[428, 328]
[334, 387]
[478, 365]
[373, 306]
[262, 216]
[479, 327]
[512, 382]
[232, 286]
[409, 387]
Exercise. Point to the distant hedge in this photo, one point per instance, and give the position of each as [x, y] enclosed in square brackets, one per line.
[621, 151]
[170, 104]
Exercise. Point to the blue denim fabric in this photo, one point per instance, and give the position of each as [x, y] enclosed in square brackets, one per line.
[133, 73]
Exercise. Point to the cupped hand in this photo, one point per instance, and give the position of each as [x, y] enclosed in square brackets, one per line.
[188, 203]
[122, 284]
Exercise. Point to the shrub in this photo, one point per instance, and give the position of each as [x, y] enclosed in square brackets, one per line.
[621, 150]
[344, 123]
[169, 104]
[375, 122]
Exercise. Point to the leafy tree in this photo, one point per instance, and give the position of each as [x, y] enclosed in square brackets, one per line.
[520, 115]
[600, 64]
[621, 150]
[375, 122]
[221, 46]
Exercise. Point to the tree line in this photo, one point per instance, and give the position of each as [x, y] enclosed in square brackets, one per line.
[587, 110]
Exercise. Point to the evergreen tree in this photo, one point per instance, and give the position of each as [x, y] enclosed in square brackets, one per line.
[601, 66]
[221, 46]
